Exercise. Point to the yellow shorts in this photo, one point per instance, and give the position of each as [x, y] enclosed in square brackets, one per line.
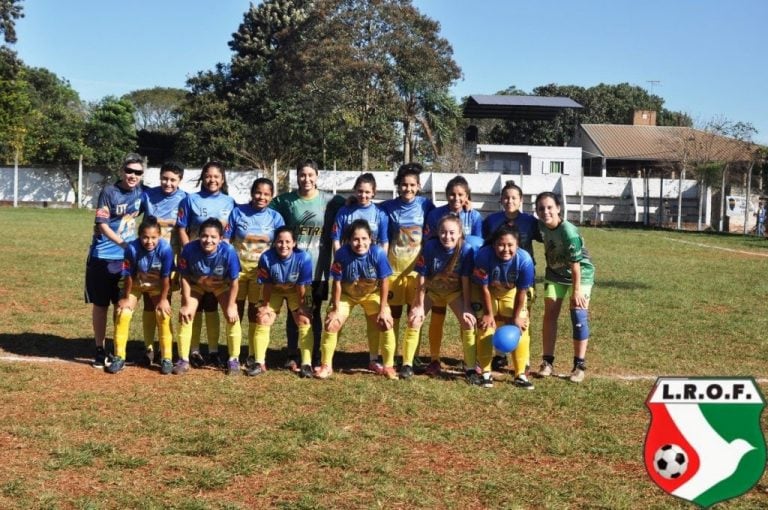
[276, 300]
[198, 291]
[371, 304]
[443, 298]
[402, 289]
[138, 292]
[248, 288]
[503, 305]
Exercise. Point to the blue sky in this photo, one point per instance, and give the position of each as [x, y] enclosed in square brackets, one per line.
[706, 55]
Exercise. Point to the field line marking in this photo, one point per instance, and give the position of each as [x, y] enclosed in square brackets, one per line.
[702, 245]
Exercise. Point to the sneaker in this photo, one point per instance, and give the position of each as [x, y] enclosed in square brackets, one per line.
[181, 367]
[406, 372]
[578, 374]
[323, 372]
[292, 363]
[196, 360]
[473, 378]
[390, 373]
[256, 369]
[487, 380]
[376, 368]
[146, 360]
[433, 369]
[100, 359]
[117, 365]
[250, 362]
[545, 369]
[166, 367]
[305, 372]
[499, 363]
[233, 367]
[214, 360]
[521, 381]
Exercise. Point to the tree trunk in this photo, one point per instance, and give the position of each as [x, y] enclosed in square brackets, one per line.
[364, 155]
[407, 135]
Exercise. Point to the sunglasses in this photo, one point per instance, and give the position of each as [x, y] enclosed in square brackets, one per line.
[130, 171]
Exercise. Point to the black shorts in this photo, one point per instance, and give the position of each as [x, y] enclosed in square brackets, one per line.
[319, 291]
[102, 281]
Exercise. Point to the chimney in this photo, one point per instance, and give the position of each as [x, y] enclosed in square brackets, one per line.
[644, 118]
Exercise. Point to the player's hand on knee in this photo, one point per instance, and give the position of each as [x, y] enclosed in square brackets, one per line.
[186, 316]
[469, 319]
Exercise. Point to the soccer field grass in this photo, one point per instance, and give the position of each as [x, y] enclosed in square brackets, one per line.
[664, 303]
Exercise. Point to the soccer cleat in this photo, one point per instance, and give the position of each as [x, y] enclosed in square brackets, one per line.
[473, 378]
[521, 381]
[215, 361]
[323, 372]
[499, 363]
[390, 373]
[545, 369]
[117, 365]
[147, 358]
[196, 360]
[249, 362]
[406, 372]
[433, 369]
[166, 367]
[487, 380]
[305, 372]
[292, 363]
[256, 369]
[181, 367]
[376, 368]
[578, 374]
[233, 367]
[100, 359]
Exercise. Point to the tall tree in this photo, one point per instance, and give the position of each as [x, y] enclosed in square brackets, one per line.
[110, 132]
[10, 11]
[156, 109]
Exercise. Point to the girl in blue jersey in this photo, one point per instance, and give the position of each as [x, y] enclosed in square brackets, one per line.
[250, 230]
[407, 215]
[569, 270]
[362, 209]
[286, 275]
[504, 273]
[208, 265]
[211, 201]
[528, 227]
[146, 271]
[444, 268]
[359, 273]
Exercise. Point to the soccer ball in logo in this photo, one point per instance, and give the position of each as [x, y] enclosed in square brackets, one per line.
[670, 461]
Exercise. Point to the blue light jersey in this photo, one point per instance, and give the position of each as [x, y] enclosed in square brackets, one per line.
[251, 232]
[434, 264]
[117, 208]
[166, 209]
[406, 230]
[376, 219]
[471, 221]
[148, 268]
[526, 224]
[198, 207]
[211, 272]
[285, 274]
[311, 220]
[563, 246]
[500, 276]
[360, 274]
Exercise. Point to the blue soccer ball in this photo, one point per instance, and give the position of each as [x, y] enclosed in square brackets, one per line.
[506, 338]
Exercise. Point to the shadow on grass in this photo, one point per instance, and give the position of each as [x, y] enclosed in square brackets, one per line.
[620, 284]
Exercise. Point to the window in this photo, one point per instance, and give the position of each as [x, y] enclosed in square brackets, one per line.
[556, 167]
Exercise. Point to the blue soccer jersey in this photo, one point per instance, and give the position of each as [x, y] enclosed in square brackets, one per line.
[285, 274]
[211, 272]
[376, 219]
[118, 209]
[526, 224]
[360, 274]
[198, 207]
[501, 276]
[154, 202]
[471, 221]
[406, 230]
[441, 268]
[148, 268]
[251, 232]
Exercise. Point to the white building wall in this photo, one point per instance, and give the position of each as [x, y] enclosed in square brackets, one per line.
[537, 158]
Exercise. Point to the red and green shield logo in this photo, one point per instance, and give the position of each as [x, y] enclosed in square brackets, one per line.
[704, 442]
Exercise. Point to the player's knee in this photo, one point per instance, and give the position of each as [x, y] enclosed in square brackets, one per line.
[580, 323]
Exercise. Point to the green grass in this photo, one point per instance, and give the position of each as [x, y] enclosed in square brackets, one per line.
[75, 438]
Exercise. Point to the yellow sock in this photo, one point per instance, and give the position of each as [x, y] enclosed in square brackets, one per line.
[306, 341]
[196, 332]
[149, 323]
[388, 343]
[410, 345]
[470, 351]
[165, 334]
[521, 357]
[260, 342]
[235, 338]
[373, 336]
[485, 349]
[185, 338]
[436, 335]
[328, 347]
[213, 329]
[122, 329]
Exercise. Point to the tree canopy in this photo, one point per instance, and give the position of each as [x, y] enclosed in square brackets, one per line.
[10, 11]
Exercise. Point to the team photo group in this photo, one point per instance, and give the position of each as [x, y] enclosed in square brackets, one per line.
[399, 260]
